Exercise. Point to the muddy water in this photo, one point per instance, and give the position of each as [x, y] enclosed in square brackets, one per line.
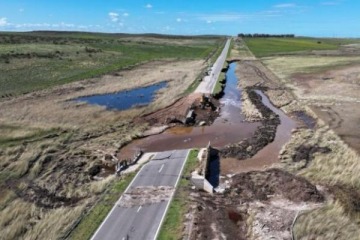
[228, 128]
[268, 155]
[125, 99]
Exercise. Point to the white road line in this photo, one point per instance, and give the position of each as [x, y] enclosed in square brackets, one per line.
[115, 205]
[139, 209]
[162, 166]
[172, 195]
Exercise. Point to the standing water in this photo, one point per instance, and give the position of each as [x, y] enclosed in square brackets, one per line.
[125, 99]
[228, 128]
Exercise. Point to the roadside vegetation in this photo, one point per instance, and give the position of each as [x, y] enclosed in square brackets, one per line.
[263, 47]
[172, 227]
[39, 61]
[52, 150]
[89, 223]
[220, 84]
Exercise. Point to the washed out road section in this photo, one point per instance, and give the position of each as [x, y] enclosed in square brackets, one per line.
[208, 83]
[141, 219]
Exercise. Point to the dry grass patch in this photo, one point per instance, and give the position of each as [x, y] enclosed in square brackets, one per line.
[285, 66]
[329, 222]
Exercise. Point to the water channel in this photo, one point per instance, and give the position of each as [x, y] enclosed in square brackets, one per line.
[229, 127]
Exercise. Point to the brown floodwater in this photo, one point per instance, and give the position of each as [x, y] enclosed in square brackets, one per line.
[268, 155]
[230, 127]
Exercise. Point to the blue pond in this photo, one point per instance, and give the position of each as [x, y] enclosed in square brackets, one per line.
[125, 99]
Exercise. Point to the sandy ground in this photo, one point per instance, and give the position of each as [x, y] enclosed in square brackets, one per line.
[332, 91]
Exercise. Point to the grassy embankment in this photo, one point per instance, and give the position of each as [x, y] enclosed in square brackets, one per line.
[89, 224]
[175, 216]
[33, 62]
[45, 171]
[336, 170]
[220, 82]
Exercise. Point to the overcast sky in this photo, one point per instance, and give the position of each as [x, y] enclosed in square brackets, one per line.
[332, 18]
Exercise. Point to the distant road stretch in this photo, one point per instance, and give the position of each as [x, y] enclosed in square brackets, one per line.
[141, 217]
[208, 83]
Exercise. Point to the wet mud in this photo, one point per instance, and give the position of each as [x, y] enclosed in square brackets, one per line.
[229, 128]
[267, 141]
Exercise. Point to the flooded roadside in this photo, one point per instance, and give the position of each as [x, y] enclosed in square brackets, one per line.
[228, 128]
[268, 155]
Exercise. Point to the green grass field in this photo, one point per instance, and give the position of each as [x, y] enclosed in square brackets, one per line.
[263, 47]
[32, 62]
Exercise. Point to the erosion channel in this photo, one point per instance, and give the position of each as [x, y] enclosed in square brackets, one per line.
[226, 132]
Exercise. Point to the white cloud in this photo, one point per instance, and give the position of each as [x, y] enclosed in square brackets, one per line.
[3, 22]
[221, 17]
[285, 5]
[148, 5]
[208, 21]
[114, 17]
[126, 14]
[179, 20]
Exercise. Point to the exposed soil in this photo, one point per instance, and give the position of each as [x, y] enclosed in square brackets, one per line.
[265, 185]
[339, 83]
[41, 197]
[304, 120]
[274, 193]
[306, 152]
[344, 119]
[176, 112]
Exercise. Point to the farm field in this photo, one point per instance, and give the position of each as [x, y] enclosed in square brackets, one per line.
[263, 47]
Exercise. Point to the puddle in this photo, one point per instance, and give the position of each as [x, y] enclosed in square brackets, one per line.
[228, 128]
[268, 155]
[125, 99]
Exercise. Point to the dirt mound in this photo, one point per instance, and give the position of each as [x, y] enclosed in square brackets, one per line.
[264, 201]
[306, 152]
[274, 182]
[176, 112]
[220, 223]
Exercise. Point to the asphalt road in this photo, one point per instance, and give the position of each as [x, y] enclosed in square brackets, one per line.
[143, 222]
[208, 83]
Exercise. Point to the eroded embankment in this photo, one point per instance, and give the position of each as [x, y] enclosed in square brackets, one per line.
[263, 135]
[264, 201]
[228, 128]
